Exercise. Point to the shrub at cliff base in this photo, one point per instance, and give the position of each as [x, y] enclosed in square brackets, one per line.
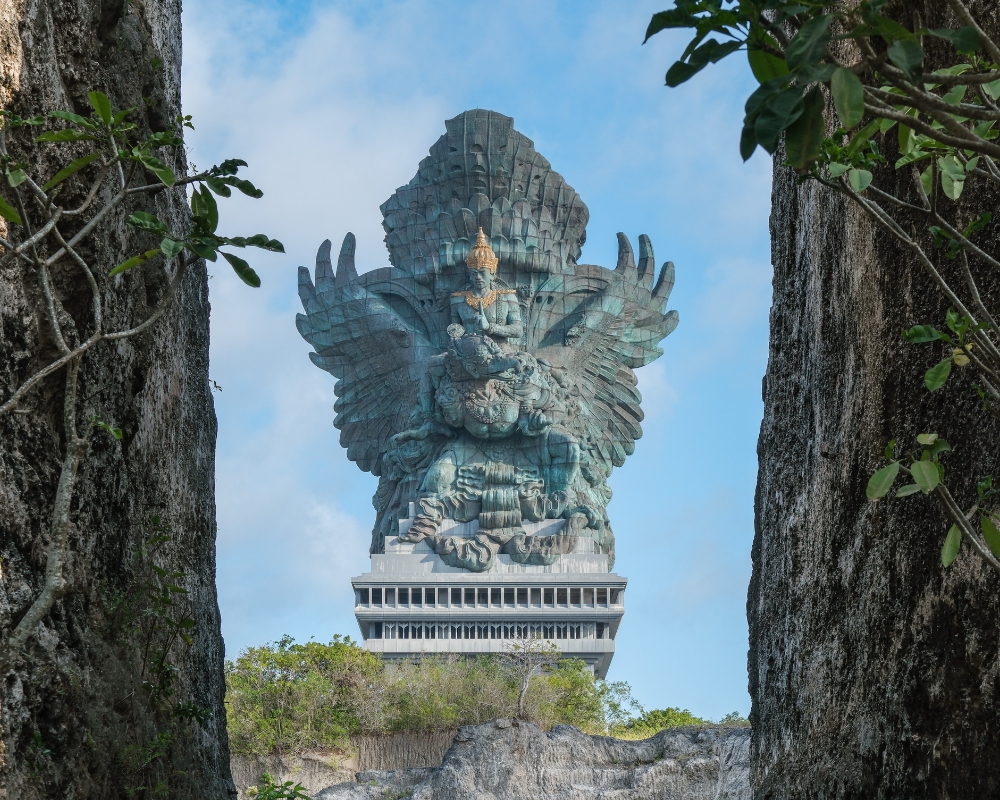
[287, 697]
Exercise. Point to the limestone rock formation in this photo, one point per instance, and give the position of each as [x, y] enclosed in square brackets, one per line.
[74, 723]
[510, 760]
[874, 672]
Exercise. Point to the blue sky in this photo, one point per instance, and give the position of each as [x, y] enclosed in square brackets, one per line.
[333, 105]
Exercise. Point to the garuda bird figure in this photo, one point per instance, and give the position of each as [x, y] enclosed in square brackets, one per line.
[486, 375]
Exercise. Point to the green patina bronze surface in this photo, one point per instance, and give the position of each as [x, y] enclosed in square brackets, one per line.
[479, 396]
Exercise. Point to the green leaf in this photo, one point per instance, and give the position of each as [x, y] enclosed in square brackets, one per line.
[861, 137]
[890, 449]
[935, 377]
[955, 95]
[70, 169]
[133, 262]
[158, 168]
[748, 141]
[243, 269]
[16, 176]
[805, 136]
[218, 186]
[991, 535]
[952, 188]
[848, 97]
[171, 247]
[117, 119]
[927, 438]
[101, 105]
[880, 483]
[906, 491]
[65, 135]
[764, 65]
[261, 241]
[926, 474]
[148, 222]
[8, 213]
[779, 111]
[204, 209]
[952, 544]
[992, 89]
[836, 170]
[927, 180]
[860, 179]
[808, 46]
[964, 40]
[907, 55]
[940, 446]
[75, 118]
[205, 251]
[673, 18]
[248, 188]
[681, 72]
[919, 334]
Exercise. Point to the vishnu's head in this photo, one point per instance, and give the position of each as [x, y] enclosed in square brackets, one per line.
[482, 263]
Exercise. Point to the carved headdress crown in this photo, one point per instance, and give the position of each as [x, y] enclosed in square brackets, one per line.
[481, 256]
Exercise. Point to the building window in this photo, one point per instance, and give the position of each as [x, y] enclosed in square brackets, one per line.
[561, 596]
[374, 630]
[574, 597]
[508, 596]
[429, 597]
[496, 631]
[456, 631]
[549, 631]
[600, 628]
[549, 597]
[588, 597]
[377, 596]
[418, 596]
[495, 596]
[616, 596]
[536, 597]
[390, 597]
[482, 631]
[456, 597]
[470, 597]
[522, 596]
[482, 596]
[404, 596]
[361, 597]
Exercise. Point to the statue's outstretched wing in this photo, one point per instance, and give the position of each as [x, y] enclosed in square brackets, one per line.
[369, 341]
[613, 325]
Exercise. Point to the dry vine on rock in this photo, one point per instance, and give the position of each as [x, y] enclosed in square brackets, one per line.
[122, 169]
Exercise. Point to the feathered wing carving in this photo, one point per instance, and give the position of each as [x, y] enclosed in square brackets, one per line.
[615, 328]
[372, 349]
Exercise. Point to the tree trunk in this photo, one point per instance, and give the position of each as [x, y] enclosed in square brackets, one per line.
[874, 671]
[76, 719]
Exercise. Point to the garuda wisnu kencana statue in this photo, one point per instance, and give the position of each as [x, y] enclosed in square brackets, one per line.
[486, 375]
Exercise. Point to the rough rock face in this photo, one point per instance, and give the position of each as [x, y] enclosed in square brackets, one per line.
[74, 721]
[506, 760]
[873, 671]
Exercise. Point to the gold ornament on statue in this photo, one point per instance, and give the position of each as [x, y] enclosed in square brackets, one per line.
[481, 256]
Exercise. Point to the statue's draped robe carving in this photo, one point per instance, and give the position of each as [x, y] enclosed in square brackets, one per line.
[497, 398]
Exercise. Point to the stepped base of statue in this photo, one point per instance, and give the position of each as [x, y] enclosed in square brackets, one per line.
[412, 604]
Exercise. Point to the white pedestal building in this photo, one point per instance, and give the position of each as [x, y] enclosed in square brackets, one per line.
[412, 603]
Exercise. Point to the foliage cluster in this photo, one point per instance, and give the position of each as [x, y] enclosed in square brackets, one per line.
[925, 99]
[287, 697]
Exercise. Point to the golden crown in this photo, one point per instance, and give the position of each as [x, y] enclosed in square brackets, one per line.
[481, 256]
